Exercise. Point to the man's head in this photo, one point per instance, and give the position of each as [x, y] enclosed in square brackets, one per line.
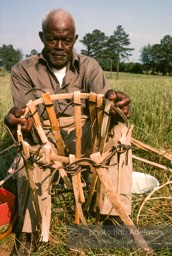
[58, 36]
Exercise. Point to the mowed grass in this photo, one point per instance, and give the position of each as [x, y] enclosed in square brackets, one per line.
[151, 98]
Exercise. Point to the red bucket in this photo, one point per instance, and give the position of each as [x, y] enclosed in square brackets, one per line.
[7, 206]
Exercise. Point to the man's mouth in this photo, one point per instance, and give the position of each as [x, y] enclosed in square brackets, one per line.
[58, 54]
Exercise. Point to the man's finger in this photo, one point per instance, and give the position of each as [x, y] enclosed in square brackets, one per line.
[126, 110]
[111, 95]
[16, 111]
[123, 102]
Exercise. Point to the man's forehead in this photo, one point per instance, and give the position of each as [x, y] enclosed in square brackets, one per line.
[57, 24]
[61, 20]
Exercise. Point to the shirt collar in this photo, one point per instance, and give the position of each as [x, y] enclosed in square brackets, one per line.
[75, 62]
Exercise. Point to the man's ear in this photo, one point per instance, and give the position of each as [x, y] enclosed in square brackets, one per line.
[76, 37]
[41, 36]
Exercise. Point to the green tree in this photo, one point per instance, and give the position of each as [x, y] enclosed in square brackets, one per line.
[158, 57]
[165, 56]
[2, 68]
[150, 57]
[131, 67]
[146, 57]
[10, 56]
[118, 46]
[95, 45]
[32, 52]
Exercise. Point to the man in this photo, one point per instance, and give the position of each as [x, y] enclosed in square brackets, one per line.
[56, 70]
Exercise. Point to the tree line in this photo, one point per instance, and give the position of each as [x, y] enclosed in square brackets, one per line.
[157, 58]
[112, 52]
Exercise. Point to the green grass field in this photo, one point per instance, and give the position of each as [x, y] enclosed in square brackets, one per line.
[151, 103]
[152, 118]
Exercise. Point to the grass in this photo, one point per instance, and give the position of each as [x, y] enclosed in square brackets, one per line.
[151, 104]
[7, 157]
[5, 102]
[151, 115]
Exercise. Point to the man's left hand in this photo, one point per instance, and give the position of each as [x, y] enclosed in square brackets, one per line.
[121, 100]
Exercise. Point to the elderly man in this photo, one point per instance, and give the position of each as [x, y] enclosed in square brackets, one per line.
[58, 69]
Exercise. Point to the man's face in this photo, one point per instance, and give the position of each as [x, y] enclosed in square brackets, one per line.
[58, 38]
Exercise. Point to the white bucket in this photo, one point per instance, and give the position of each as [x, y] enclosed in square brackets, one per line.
[143, 183]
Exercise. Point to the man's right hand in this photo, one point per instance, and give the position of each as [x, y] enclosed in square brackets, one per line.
[14, 118]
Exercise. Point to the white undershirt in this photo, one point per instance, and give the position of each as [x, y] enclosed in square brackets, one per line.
[60, 73]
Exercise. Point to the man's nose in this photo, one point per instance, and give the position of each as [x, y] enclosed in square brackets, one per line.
[59, 44]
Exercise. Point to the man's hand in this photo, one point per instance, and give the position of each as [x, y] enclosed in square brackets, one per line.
[13, 118]
[121, 100]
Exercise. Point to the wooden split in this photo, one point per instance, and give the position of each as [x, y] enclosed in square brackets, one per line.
[54, 122]
[100, 114]
[37, 123]
[105, 181]
[78, 209]
[146, 147]
[29, 173]
[29, 170]
[63, 174]
[95, 114]
[105, 124]
[93, 120]
[103, 127]
[78, 132]
[152, 163]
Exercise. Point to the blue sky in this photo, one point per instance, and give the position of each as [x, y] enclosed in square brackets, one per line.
[146, 21]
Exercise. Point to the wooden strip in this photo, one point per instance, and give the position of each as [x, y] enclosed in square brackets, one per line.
[37, 122]
[78, 209]
[29, 170]
[61, 96]
[92, 190]
[77, 178]
[105, 125]
[99, 115]
[69, 96]
[93, 119]
[78, 130]
[54, 123]
[113, 197]
[120, 113]
[152, 163]
[63, 174]
[26, 149]
[29, 173]
[146, 147]
[96, 181]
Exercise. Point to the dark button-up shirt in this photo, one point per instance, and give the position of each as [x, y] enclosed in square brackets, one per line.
[83, 73]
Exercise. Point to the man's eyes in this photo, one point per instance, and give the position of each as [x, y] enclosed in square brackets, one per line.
[50, 39]
[54, 40]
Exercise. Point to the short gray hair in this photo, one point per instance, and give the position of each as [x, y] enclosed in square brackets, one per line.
[57, 13]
